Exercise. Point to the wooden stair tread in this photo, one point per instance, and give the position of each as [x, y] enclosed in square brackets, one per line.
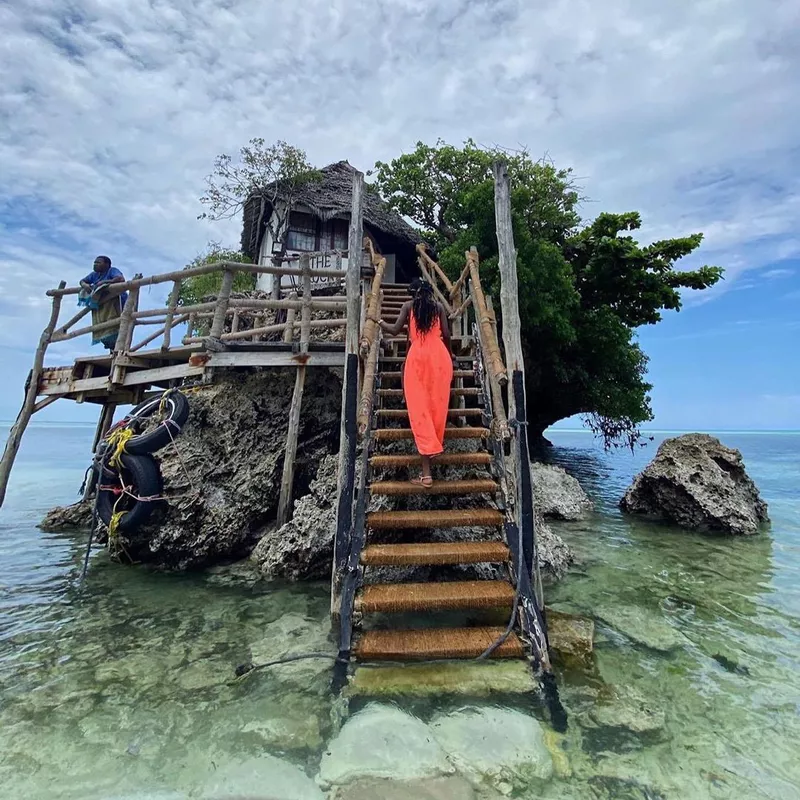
[444, 460]
[399, 434]
[434, 553]
[408, 645]
[460, 487]
[402, 413]
[450, 518]
[468, 392]
[448, 596]
[458, 373]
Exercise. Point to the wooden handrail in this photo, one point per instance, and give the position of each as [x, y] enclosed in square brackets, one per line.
[368, 334]
[423, 254]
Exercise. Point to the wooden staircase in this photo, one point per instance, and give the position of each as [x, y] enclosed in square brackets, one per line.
[464, 527]
[449, 579]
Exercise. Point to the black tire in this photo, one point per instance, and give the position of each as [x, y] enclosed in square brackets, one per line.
[143, 477]
[177, 412]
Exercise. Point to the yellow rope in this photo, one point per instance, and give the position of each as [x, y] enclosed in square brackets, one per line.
[117, 441]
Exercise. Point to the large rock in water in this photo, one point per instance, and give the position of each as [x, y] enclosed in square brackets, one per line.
[557, 494]
[224, 488]
[697, 483]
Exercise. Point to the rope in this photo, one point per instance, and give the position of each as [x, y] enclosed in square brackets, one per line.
[117, 442]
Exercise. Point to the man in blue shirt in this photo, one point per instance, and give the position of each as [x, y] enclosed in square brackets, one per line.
[104, 309]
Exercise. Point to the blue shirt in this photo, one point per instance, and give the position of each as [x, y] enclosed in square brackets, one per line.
[94, 278]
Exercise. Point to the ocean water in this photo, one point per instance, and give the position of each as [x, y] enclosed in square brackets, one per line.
[126, 686]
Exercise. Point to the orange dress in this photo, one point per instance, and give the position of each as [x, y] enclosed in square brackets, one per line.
[426, 382]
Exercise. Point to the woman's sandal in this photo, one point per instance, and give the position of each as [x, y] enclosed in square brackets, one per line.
[426, 481]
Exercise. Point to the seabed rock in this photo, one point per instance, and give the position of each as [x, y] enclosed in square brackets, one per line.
[570, 636]
[68, 518]
[642, 626]
[265, 777]
[558, 495]
[696, 482]
[450, 788]
[382, 742]
[499, 747]
[627, 709]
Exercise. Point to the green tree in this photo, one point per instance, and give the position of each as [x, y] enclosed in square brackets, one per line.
[272, 174]
[583, 289]
[201, 287]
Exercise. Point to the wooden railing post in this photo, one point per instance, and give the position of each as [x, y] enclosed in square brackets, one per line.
[174, 296]
[122, 347]
[347, 425]
[291, 315]
[31, 391]
[305, 308]
[223, 298]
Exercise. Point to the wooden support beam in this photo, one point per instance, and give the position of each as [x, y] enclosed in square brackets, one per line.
[125, 335]
[29, 404]
[62, 329]
[368, 388]
[292, 433]
[352, 369]
[164, 330]
[436, 290]
[490, 343]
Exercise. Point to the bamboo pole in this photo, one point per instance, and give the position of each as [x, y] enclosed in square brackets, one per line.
[287, 479]
[436, 290]
[221, 311]
[235, 321]
[29, 404]
[423, 254]
[172, 303]
[462, 279]
[291, 314]
[355, 237]
[462, 309]
[278, 327]
[370, 327]
[165, 330]
[218, 266]
[67, 325]
[496, 366]
[368, 387]
[305, 309]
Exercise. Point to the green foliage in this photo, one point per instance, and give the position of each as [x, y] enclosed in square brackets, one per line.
[201, 287]
[583, 291]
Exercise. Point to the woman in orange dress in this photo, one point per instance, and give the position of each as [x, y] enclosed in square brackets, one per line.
[427, 373]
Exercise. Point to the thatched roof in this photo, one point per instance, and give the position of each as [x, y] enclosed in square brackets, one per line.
[330, 198]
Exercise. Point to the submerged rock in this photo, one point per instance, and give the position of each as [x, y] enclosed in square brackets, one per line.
[265, 777]
[570, 636]
[451, 788]
[382, 742]
[557, 494]
[503, 748]
[642, 626]
[697, 483]
[625, 708]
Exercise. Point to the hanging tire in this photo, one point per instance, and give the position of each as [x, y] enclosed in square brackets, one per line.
[142, 478]
[176, 408]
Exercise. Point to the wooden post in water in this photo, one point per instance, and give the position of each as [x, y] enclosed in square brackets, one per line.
[347, 426]
[293, 431]
[29, 404]
[512, 338]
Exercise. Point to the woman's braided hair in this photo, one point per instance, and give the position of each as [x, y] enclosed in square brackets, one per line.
[425, 307]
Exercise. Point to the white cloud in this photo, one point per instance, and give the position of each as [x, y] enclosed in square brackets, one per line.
[111, 114]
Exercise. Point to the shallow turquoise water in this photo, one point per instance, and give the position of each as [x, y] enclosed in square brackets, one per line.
[126, 686]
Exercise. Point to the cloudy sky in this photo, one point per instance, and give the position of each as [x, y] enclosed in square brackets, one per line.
[111, 115]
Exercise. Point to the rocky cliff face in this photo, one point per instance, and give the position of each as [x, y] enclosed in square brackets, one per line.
[223, 489]
[697, 483]
[223, 485]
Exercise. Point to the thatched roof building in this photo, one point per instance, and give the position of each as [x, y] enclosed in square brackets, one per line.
[330, 199]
